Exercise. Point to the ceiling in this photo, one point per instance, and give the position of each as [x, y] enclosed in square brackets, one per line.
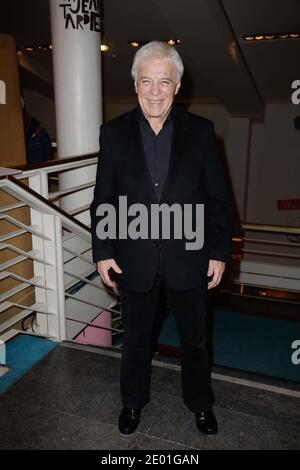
[219, 66]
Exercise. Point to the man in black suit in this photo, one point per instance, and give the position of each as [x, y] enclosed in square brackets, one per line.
[160, 155]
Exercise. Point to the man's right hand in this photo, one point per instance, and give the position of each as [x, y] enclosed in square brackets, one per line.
[103, 267]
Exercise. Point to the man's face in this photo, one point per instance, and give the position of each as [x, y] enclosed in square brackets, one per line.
[156, 87]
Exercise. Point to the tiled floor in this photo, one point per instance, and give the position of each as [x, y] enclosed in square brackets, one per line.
[70, 400]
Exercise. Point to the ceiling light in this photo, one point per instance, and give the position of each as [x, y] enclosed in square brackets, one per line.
[171, 42]
[269, 36]
[104, 47]
[134, 44]
[42, 47]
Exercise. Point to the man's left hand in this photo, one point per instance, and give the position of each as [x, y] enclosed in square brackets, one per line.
[215, 269]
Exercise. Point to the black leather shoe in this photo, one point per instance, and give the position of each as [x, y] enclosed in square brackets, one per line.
[129, 420]
[206, 422]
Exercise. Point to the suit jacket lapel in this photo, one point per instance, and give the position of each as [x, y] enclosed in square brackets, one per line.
[179, 143]
[137, 153]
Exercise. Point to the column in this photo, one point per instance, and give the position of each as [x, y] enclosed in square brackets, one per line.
[75, 26]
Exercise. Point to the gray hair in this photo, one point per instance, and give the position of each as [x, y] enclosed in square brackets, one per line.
[157, 50]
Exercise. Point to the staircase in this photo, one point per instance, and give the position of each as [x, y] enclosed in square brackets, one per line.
[50, 284]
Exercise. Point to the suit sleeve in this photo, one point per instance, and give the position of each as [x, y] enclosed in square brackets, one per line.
[104, 192]
[218, 210]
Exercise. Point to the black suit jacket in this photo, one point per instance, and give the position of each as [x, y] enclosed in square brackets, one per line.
[195, 176]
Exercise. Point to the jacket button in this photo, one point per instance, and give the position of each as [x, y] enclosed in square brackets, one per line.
[156, 244]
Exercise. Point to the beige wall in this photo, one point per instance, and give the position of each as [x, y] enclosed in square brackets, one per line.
[12, 145]
[12, 152]
[23, 268]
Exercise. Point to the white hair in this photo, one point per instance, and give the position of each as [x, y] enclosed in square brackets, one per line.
[157, 50]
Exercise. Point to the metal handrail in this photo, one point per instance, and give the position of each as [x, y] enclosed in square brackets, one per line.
[57, 220]
[54, 163]
[271, 228]
[265, 268]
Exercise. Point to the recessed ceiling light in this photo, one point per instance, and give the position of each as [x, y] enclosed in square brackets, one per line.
[171, 42]
[42, 47]
[269, 36]
[104, 47]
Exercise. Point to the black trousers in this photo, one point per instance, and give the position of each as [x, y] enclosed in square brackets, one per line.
[138, 315]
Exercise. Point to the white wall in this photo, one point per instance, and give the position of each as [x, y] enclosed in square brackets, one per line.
[263, 161]
[274, 171]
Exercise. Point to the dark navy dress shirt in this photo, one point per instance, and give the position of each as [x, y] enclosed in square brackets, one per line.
[157, 149]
